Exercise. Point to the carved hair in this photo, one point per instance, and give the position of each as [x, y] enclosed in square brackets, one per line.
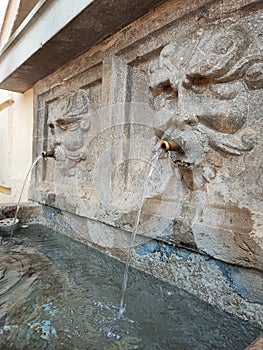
[77, 104]
[220, 56]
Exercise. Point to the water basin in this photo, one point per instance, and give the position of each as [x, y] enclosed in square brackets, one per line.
[57, 293]
[6, 225]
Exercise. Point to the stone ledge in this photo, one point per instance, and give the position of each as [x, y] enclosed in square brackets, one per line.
[28, 212]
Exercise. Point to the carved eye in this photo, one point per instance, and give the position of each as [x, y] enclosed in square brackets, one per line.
[169, 92]
[167, 88]
[62, 124]
[200, 80]
[52, 128]
[162, 94]
[164, 87]
[197, 83]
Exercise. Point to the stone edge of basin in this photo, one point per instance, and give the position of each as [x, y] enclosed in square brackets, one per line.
[28, 212]
[257, 344]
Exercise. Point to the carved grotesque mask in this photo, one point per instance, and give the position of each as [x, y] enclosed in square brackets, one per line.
[68, 122]
[200, 92]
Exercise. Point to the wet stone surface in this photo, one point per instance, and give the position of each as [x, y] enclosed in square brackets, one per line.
[56, 293]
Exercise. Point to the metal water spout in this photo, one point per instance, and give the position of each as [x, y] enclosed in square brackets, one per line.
[171, 145]
[48, 154]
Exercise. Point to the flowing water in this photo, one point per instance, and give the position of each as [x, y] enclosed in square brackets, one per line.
[21, 193]
[135, 229]
[57, 293]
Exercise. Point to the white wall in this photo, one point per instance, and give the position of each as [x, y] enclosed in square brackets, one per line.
[9, 11]
[16, 128]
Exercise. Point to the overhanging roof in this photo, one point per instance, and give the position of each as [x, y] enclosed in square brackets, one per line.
[56, 31]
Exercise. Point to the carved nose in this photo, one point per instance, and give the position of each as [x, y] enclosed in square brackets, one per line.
[57, 141]
[188, 111]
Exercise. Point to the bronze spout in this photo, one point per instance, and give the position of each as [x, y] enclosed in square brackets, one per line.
[48, 154]
[170, 145]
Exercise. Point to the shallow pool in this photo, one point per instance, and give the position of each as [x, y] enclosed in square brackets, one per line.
[57, 293]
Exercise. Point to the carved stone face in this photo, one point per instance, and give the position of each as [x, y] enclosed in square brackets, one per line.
[68, 123]
[200, 92]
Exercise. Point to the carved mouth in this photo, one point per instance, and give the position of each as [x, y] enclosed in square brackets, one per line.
[59, 153]
[183, 164]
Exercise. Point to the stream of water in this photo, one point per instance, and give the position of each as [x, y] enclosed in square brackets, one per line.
[153, 164]
[21, 193]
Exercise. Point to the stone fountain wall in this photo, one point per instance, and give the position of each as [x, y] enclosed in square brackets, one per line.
[189, 71]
